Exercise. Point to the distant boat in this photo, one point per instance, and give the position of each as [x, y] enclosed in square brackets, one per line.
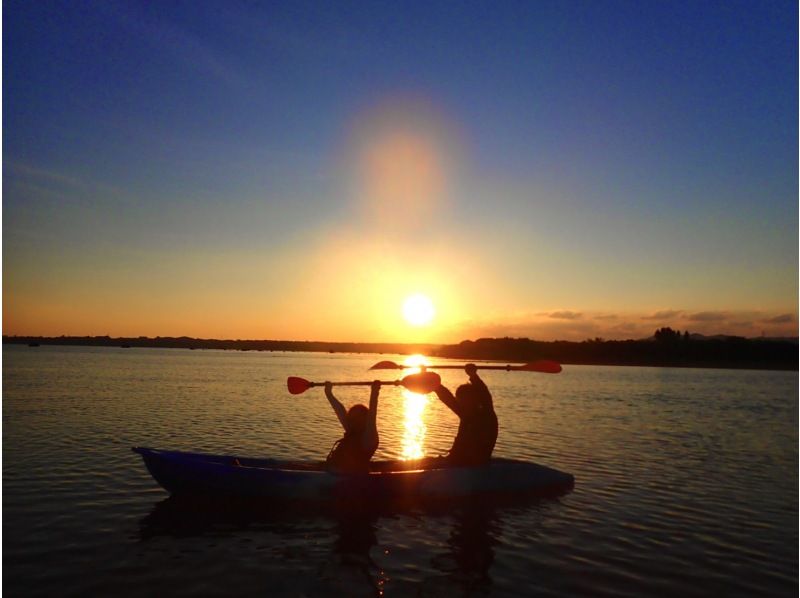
[33, 344]
[125, 346]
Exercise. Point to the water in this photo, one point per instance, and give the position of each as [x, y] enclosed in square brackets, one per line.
[686, 481]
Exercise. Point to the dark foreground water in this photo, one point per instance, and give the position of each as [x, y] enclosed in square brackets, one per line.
[686, 481]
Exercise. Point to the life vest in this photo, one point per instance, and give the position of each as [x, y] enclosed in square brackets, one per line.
[474, 442]
[348, 455]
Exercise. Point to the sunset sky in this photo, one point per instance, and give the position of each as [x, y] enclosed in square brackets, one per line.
[555, 170]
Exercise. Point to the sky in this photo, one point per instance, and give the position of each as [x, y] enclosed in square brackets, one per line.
[296, 170]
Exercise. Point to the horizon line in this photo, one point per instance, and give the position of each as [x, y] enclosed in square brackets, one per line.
[407, 343]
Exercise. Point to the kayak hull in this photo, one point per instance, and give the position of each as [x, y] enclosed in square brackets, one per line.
[183, 473]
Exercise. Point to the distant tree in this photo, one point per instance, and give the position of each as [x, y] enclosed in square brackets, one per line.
[667, 335]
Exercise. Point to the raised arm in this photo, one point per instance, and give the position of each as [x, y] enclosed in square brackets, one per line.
[373, 404]
[446, 397]
[485, 397]
[338, 408]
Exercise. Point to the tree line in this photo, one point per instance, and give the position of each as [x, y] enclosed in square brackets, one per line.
[667, 347]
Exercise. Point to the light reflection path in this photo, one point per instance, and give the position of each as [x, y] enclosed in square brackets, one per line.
[414, 428]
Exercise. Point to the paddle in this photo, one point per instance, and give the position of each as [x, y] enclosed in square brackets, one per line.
[421, 383]
[545, 366]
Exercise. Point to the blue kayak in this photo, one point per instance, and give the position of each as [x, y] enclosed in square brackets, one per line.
[216, 475]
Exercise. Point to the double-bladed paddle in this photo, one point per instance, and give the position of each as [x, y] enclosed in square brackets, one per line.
[421, 383]
[545, 366]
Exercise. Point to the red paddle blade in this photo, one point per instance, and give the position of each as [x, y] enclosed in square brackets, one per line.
[544, 365]
[422, 383]
[297, 385]
[386, 365]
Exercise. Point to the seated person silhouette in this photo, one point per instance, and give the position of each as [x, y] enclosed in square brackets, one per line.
[477, 426]
[352, 452]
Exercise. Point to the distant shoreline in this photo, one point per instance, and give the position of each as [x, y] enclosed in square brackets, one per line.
[724, 352]
[185, 342]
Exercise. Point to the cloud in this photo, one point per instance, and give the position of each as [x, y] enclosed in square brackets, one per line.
[781, 319]
[565, 315]
[176, 41]
[59, 179]
[708, 316]
[57, 184]
[665, 314]
[579, 326]
[40, 173]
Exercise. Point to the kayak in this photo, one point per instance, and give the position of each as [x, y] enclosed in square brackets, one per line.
[182, 473]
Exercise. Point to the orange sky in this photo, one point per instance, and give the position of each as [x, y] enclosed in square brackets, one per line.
[569, 198]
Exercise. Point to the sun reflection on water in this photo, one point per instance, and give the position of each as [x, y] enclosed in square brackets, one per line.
[414, 427]
[414, 404]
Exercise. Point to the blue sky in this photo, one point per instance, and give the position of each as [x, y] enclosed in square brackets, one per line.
[614, 160]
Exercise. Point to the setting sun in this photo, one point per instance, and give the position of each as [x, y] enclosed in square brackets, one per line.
[418, 310]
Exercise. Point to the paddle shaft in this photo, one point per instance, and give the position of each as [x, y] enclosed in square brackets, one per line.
[383, 383]
[544, 366]
[461, 367]
[507, 368]
[423, 383]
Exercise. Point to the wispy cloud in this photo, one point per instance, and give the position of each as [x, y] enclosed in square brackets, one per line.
[708, 316]
[781, 319]
[51, 177]
[176, 42]
[578, 326]
[665, 314]
[18, 168]
[565, 315]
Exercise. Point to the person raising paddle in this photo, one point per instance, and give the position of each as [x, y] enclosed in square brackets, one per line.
[352, 452]
[477, 426]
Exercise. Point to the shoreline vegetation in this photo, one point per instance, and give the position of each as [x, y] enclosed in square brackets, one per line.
[667, 348]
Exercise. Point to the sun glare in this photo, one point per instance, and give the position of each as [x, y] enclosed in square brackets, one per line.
[414, 361]
[403, 153]
[418, 310]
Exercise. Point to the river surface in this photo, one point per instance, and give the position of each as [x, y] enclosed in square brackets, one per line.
[686, 481]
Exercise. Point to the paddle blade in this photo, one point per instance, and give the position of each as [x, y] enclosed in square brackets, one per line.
[422, 383]
[386, 365]
[297, 385]
[544, 365]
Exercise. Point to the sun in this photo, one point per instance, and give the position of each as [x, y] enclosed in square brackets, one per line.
[418, 310]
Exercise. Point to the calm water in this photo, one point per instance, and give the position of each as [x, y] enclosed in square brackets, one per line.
[686, 481]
